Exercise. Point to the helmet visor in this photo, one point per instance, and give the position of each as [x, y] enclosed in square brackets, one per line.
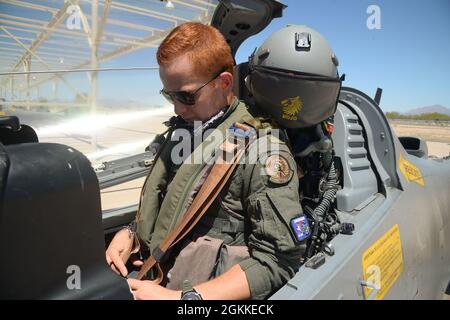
[293, 99]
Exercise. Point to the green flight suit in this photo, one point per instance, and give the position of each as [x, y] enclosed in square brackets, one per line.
[254, 209]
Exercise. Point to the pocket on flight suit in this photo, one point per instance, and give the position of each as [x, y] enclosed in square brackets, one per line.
[197, 262]
[203, 258]
[230, 256]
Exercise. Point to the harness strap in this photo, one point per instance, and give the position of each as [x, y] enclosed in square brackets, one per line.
[234, 147]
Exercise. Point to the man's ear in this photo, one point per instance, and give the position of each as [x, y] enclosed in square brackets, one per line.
[227, 81]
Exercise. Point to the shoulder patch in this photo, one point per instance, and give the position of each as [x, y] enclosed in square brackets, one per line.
[278, 169]
[301, 228]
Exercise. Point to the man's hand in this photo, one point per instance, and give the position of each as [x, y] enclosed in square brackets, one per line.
[119, 251]
[147, 290]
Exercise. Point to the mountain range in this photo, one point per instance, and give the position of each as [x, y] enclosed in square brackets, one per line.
[430, 109]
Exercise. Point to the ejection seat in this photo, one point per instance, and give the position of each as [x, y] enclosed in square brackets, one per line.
[51, 234]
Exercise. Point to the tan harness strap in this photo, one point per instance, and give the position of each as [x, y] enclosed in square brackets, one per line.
[217, 178]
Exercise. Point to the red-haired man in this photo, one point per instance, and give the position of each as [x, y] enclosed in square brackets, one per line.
[244, 246]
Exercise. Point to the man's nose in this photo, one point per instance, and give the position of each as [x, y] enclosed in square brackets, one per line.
[179, 108]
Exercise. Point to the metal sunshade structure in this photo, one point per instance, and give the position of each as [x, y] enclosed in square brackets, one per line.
[38, 38]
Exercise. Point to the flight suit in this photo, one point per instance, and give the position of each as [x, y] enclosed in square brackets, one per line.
[249, 223]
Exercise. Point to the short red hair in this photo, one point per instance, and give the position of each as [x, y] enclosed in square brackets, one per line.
[205, 45]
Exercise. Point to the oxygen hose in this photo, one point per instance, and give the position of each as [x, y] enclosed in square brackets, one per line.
[319, 214]
[328, 196]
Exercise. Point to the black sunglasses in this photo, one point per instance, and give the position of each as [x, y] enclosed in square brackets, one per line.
[186, 97]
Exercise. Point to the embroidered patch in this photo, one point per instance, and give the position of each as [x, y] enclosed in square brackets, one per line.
[278, 169]
[291, 108]
[301, 228]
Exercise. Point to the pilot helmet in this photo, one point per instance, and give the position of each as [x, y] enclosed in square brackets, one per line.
[293, 77]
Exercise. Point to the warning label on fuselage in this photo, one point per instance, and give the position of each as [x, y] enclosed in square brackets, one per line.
[383, 262]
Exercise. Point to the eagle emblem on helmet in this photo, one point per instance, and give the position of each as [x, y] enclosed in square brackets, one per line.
[291, 107]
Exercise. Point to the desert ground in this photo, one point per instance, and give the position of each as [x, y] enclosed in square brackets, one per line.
[437, 135]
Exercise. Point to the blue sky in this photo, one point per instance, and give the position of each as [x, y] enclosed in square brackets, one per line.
[409, 57]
